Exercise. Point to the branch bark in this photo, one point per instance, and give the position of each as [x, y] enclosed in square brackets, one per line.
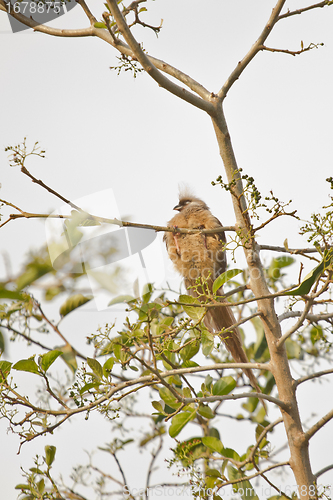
[256, 47]
[149, 66]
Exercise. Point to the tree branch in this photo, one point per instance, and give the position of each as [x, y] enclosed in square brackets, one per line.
[312, 376]
[293, 52]
[87, 11]
[314, 318]
[297, 325]
[289, 250]
[149, 66]
[252, 476]
[256, 47]
[305, 9]
[316, 427]
[323, 470]
[233, 397]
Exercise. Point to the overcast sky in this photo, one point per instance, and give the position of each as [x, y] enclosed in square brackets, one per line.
[103, 131]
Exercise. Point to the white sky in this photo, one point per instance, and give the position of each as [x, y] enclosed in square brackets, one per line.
[102, 131]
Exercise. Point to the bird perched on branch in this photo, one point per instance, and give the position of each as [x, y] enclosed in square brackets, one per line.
[200, 258]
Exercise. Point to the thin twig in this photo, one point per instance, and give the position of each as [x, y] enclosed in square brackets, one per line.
[87, 11]
[312, 376]
[150, 469]
[252, 476]
[293, 52]
[300, 11]
[253, 51]
[316, 427]
[25, 171]
[233, 397]
[149, 66]
[297, 325]
[313, 318]
[289, 250]
[323, 470]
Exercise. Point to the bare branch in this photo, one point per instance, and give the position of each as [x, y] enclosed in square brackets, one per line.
[233, 397]
[149, 66]
[252, 476]
[323, 470]
[87, 11]
[316, 427]
[260, 438]
[297, 325]
[293, 52]
[256, 47]
[296, 251]
[150, 469]
[314, 318]
[241, 322]
[305, 9]
[117, 222]
[49, 189]
[312, 376]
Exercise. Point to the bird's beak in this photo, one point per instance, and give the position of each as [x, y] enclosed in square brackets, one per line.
[177, 207]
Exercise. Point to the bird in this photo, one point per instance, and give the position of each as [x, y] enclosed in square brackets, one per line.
[200, 258]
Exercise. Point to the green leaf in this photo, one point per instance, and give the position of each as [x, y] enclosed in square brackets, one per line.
[41, 486]
[49, 358]
[147, 292]
[244, 487]
[87, 387]
[207, 342]
[100, 25]
[278, 263]
[305, 287]
[34, 270]
[195, 313]
[179, 421]
[96, 367]
[205, 411]
[224, 277]
[213, 443]
[72, 303]
[169, 398]
[224, 386]
[261, 344]
[190, 350]
[22, 487]
[230, 453]
[213, 472]
[27, 365]
[50, 452]
[2, 343]
[189, 364]
[316, 333]
[108, 365]
[69, 356]
[250, 405]
[294, 349]
[9, 294]
[5, 367]
[159, 406]
[121, 299]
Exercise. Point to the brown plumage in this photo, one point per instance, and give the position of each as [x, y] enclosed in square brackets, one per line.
[203, 256]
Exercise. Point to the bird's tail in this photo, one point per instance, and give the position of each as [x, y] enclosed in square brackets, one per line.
[220, 318]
